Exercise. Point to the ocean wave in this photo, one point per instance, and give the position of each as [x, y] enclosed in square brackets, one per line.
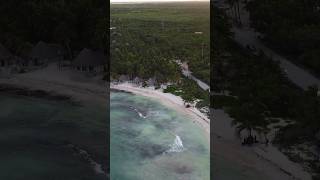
[176, 146]
[85, 155]
[138, 112]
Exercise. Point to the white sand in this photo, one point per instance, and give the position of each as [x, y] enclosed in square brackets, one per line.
[66, 82]
[267, 160]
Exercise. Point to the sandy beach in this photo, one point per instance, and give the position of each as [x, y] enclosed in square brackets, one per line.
[66, 82]
[268, 162]
[169, 100]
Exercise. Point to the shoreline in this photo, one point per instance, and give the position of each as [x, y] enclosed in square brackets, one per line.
[49, 80]
[62, 86]
[169, 100]
[23, 91]
[226, 146]
[73, 93]
[86, 91]
[266, 160]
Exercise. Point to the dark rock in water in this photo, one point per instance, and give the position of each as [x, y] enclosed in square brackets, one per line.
[200, 149]
[160, 125]
[183, 169]
[151, 150]
[179, 168]
[130, 133]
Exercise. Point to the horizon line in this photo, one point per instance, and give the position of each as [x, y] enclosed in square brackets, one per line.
[153, 1]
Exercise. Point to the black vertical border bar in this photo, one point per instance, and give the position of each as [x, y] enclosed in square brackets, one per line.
[108, 82]
[211, 88]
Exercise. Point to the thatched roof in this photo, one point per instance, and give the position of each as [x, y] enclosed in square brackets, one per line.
[88, 57]
[151, 81]
[4, 53]
[124, 78]
[137, 80]
[46, 51]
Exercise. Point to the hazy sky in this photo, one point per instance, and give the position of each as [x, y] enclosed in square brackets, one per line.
[115, 1]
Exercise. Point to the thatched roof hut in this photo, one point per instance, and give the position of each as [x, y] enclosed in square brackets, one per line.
[151, 82]
[46, 52]
[137, 80]
[89, 60]
[123, 78]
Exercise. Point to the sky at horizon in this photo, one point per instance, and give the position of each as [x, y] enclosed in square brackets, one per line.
[139, 1]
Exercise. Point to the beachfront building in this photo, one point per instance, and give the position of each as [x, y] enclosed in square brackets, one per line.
[9, 63]
[137, 80]
[44, 53]
[151, 82]
[90, 61]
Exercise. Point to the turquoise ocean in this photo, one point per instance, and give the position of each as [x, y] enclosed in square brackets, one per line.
[152, 141]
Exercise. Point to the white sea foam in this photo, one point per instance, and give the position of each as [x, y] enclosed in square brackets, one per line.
[139, 113]
[177, 145]
[96, 166]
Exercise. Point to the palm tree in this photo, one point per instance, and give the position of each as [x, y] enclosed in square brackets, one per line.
[235, 9]
[249, 116]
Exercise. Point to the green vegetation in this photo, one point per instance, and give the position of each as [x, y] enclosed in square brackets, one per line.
[75, 24]
[146, 39]
[189, 91]
[256, 81]
[255, 91]
[221, 102]
[290, 27]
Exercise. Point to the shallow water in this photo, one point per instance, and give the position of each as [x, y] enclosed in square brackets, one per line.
[36, 135]
[151, 141]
